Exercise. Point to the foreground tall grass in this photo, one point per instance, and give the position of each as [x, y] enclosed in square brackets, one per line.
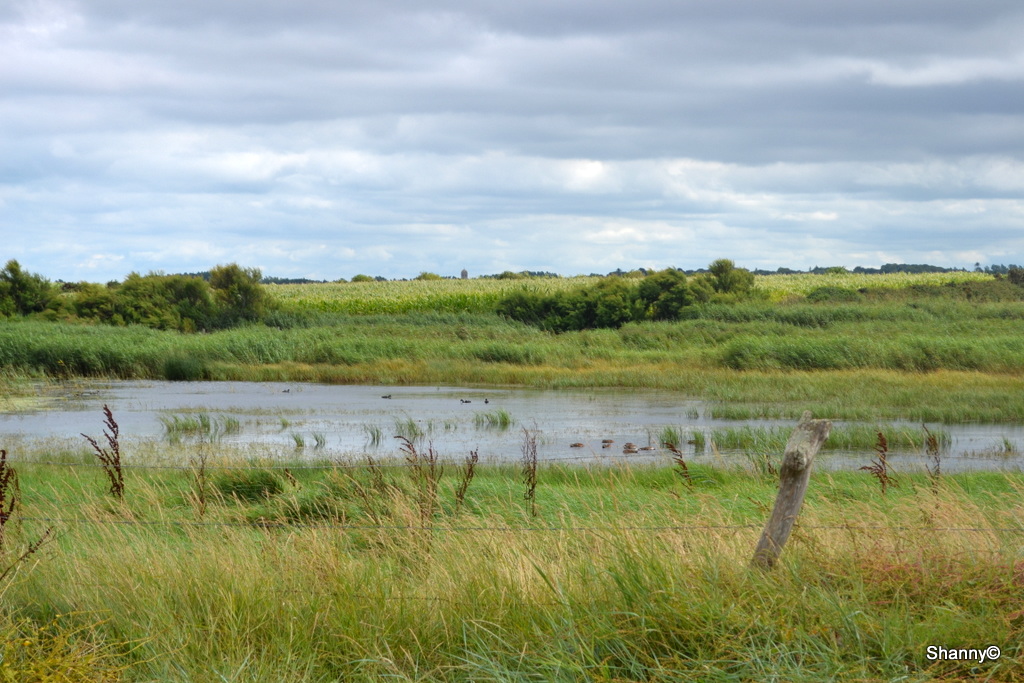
[625, 574]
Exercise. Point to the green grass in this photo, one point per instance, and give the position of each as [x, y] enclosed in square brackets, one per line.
[626, 574]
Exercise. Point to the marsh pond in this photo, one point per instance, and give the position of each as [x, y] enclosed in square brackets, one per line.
[347, 421]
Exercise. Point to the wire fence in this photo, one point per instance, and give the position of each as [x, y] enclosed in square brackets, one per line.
[393, 462]
[440, 524]
[434, 525]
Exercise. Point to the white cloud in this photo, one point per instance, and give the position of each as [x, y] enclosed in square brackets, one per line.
[320, 137]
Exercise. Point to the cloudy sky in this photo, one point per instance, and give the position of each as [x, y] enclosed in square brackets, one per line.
[325, 138]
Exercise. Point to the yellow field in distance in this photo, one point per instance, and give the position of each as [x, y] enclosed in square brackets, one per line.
[481, 295]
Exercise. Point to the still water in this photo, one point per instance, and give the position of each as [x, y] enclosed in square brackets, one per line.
[345, 418]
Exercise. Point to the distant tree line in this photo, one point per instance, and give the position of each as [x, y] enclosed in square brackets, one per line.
[265, 279]
[230, 296]
[887, 268]
[997, 269]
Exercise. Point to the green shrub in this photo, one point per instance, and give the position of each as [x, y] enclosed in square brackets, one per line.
[830, 294]
[613, 301]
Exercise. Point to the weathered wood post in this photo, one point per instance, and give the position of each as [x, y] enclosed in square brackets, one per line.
[794, 476]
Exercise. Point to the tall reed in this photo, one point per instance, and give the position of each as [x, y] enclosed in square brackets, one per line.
[110, 458]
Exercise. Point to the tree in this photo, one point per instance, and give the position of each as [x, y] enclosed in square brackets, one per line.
[238, 293]
[1016, 275]
[22, 292]
[664, 294]
[728, 279]
[163, 302]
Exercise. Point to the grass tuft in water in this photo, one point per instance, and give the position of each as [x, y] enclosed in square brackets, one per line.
[408, 429]
[374, 434]
[201, 426]
[493, 419]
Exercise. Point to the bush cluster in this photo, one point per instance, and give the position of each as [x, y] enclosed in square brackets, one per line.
[186, 303]
[614, 301]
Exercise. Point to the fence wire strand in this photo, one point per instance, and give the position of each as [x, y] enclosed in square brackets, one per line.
[268, 524]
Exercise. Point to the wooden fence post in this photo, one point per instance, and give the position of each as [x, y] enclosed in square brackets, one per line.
[794, 476]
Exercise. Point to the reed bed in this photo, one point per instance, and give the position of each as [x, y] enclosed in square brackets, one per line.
[625, 573]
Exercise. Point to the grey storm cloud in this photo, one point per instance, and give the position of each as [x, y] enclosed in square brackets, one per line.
[321, 139]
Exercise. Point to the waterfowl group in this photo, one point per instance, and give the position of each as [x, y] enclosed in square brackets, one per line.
[628, 448]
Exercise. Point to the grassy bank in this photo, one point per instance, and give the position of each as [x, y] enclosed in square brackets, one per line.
[250, 571]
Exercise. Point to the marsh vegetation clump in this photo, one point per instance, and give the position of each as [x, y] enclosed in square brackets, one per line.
[178, 368]
[493, 419]
[200, 426]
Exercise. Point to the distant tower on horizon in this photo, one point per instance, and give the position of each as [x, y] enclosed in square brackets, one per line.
[465, 274]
